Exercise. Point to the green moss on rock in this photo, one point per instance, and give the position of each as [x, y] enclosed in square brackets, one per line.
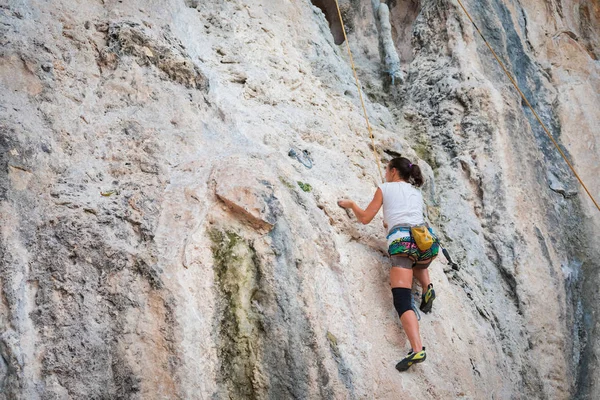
[236, 277]
[305, 186]
[425, 153]
[333, 343]
[286, 183]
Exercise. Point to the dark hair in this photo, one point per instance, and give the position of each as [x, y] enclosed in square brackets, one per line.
[408, 171]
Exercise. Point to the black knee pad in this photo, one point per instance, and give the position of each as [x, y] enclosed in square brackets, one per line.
[402, 300]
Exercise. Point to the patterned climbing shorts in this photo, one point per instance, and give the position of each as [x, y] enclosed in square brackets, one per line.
[402, 245]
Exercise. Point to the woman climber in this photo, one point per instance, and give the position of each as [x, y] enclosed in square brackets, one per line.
[403, 211]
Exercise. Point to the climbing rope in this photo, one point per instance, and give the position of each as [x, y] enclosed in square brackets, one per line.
[512, 80]
[529, 105]
[454, 265]
[359, 92]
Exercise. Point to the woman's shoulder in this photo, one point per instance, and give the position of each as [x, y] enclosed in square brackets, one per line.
[397, 185]
[408, 187]
[412, 190]
[402, 186]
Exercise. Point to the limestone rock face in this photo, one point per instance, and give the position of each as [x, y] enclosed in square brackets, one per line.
[169, 177]
[244, 185]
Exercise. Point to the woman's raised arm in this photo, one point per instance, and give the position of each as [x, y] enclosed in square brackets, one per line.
[365, 216]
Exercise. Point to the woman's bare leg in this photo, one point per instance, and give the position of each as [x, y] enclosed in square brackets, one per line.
[402, 278]
[422, 275]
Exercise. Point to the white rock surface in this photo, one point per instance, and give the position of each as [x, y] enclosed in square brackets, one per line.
[140, 258]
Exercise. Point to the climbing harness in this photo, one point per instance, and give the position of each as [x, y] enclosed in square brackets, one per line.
[529, 105]
[359, 91]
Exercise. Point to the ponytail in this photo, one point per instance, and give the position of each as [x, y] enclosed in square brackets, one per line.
[415, 174]
[408, 171]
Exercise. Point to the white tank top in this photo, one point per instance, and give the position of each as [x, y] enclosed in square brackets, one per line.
[402, 204]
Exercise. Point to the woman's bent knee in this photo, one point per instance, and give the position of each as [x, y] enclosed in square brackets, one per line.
[402, 300]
